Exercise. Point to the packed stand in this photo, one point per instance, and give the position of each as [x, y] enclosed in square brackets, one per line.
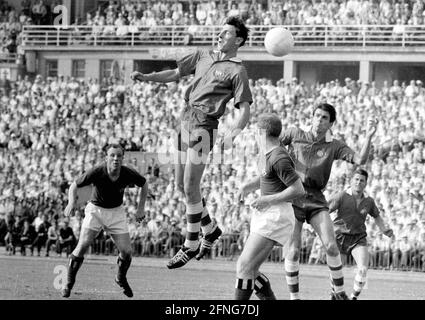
[53, 129]
[257, 12]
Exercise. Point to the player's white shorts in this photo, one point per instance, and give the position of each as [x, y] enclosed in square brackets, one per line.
[112, 220]
[276, 223]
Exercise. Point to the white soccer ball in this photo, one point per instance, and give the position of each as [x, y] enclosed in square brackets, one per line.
[279, 42]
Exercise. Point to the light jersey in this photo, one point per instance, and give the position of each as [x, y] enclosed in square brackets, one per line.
[314, 159]
[107, 193]
[350, 217]
[215, 82]
[277, 172]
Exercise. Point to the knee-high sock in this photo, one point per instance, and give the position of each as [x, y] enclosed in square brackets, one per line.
[263, 289]
[244, 288]
[359, 283]
[292, 269]
[335, 267]
[194, 215]
[123, 266]
[206, 223]
[73, 267]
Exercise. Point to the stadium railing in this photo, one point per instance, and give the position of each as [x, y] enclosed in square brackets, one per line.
[8, 57]
[304, 35]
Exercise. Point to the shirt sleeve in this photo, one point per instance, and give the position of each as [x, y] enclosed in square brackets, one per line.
[287, 136]
[241, 90]
[87, 178]
[136, 178]
[334, 201]
[187, 64]
[344, 152]
[374, 210]
[284, 169]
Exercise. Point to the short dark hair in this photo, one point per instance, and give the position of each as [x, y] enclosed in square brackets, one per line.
[271, 124]
[361, 172]
[241, 29]
[329, 109]
[114, 146]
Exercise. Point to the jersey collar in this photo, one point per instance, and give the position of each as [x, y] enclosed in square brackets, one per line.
[232, 59]
[328, 137]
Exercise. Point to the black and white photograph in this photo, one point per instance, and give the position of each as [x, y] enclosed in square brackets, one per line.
[207, 155]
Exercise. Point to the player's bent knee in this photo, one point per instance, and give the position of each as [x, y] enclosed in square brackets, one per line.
[244, 267]
[362, 271]
[81, 248]
[190, 190]
[293, 254]
[180, 188]
[125, 254]
[332, 249]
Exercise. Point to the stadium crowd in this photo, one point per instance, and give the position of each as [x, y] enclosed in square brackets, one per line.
[120, 18]
[53, 129]
[258, 12]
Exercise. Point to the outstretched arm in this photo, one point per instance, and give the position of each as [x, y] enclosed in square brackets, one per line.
[361, 158]
[162, 76]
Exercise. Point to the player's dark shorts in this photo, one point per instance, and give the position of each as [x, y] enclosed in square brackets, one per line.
[310, 204]
[347, 242]
[197, 130]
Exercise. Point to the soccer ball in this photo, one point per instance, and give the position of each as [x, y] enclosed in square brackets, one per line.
[279, 42]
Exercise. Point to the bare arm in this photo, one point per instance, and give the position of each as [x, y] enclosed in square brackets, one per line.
[72, 199]
[333, 203]
[142, 200]
[381, 225]
[162, 76]
[361, 158]
[251, 185]
[239, 125]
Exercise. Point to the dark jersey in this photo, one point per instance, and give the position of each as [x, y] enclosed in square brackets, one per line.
[107, 193]
[66, 232]
[350, 217]
[215, 82]
[277, 173]
[43, 228]
[314, 159]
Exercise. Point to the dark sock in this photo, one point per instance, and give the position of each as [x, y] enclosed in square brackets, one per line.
[73, 267]
[244, 289]
[263, 289]
[123, 266]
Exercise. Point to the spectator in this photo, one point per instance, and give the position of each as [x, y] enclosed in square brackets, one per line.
[41, 231]
[66, 238]
[27, 237]
[317, 255]
[174, 239]
[405, 249]
[145, 239]
[13, 235]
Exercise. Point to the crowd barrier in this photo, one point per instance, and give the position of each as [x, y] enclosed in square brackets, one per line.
[198, 35]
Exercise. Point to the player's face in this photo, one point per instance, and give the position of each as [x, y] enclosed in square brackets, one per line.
[321, 121]
[114, 158]
[227, 39]
[358, 183]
